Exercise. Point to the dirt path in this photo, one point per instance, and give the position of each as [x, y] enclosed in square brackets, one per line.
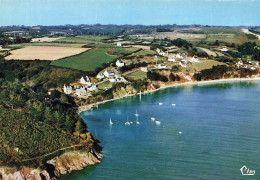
[211, 53]
[248, 32]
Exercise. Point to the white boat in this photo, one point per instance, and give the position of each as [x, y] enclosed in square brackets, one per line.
[127, 122]
[137, 122]
[152, 118]
[180, 132]
[158, 122]
[173, 104]
[140, 95]
[160, 103]
[136, 114]
[110, 122]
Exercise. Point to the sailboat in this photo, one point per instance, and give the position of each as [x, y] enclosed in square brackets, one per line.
[136, 114]
[140, 95]
[158, 122]
[173, 104]
[137, 122]
[110, 122]
[160, 103]
[127, 122]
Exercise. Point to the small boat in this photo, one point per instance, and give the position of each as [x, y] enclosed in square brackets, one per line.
[158, 122]
[180, 132]
[136, 114]
[110, 122]
[152, 118]
[173, 104]
[137, 122]
[127, 122]
[160, 103]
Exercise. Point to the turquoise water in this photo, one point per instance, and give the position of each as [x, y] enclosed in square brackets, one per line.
[220, 125]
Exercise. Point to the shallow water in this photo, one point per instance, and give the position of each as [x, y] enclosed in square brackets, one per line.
[219, 125]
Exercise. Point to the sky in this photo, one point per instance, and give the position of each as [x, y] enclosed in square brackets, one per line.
[146, 12]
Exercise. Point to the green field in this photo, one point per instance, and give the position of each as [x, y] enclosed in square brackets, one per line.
[87, 61]
[204, 64]
[122, 50]
[137, 75]
[106, 84]
[145, 53]
[83, 39]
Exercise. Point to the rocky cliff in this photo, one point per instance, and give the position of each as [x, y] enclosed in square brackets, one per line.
[52, 169]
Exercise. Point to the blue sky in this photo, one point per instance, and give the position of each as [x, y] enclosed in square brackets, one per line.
[147, 12]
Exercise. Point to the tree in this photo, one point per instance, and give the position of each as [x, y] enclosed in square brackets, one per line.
[80, 127]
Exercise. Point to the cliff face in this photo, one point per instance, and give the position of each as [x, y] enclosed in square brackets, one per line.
[52, 169]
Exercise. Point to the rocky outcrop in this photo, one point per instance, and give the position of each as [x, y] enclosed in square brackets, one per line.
[52, 169]
[74, 160]
[24, 173]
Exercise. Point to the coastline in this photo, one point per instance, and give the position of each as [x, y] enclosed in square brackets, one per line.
[90, 106]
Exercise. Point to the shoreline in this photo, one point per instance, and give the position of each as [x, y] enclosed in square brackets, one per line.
[90, 106]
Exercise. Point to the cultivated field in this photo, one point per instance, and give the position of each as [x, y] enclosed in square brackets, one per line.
[87, 61]
[137, 75]
[44, 53]
[44, 39]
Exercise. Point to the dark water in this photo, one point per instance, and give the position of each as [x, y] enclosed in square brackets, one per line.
[220, 125]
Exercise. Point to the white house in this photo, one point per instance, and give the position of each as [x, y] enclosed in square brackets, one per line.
[158, 50]
[85, 80]
[109, 73]
[240, 63]
[194, 59]
[67, 89]
[93, 87]
[179, 56]
[162, 53]
[112, 79]
[224, 49]
[100, 76]
[144, 69]
[119, 44]
[81, 90]
[120, 63]
[183, 63]
[162, 66]
[171, 58]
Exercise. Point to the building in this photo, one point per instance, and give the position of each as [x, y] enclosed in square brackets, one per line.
[120, 63]
[172, 58]
[112, 79]
[93, 87]
[144, 69]
[162, 53]
[85, 80]
[240, 63]
[67, 89]
[109, 73]
[80, 90]
[158, 50]
[50, 91]
[162, 66]
[119, 44]
[100, 76]
[179, 56]
[194, 59]
[183, 63]
[224, 49]
[16, 33]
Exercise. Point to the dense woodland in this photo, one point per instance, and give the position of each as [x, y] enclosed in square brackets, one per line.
[32, 122]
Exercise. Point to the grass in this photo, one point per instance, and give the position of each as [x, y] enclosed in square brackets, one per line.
[104, 85]
[145, 53]
[87, 61]
[122, 50]
[137, 75]
[82, 39]
[204, 64]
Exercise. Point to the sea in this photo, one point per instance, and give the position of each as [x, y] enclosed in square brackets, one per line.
[203, 131]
